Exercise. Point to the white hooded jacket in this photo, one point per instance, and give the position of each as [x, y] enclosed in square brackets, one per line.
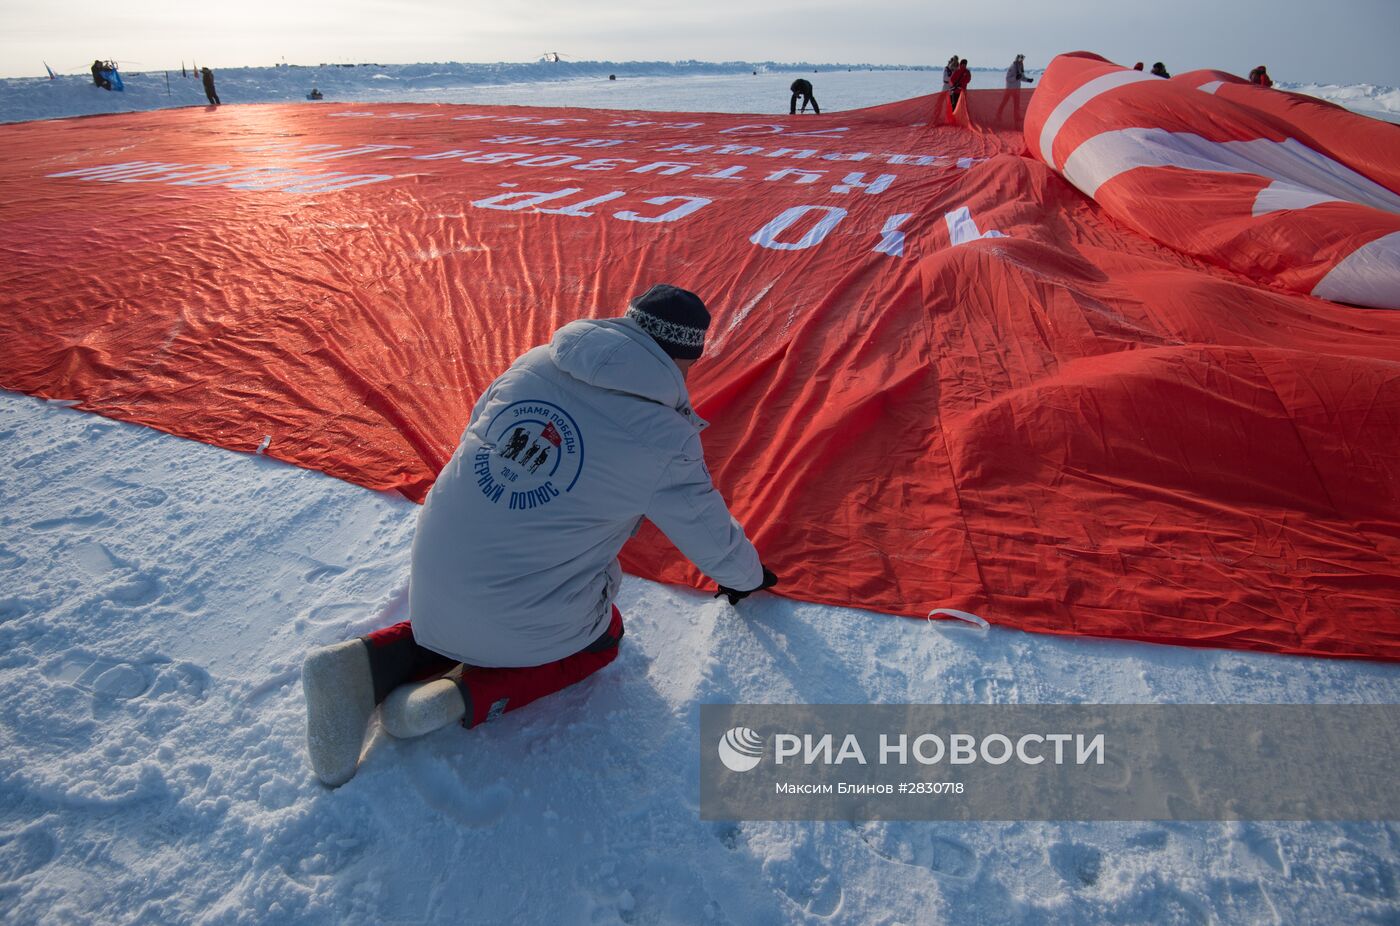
[515, 557]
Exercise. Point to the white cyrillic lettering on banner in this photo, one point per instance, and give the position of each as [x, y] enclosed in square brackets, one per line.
[752, 130]
[688, 204]
[350, 152]
[857, 181]
[114, 170]
[666, 168]
[516, 200]
[767, 236]
[834, 132]
[603, 164]
[918, 160]
[962, 228]
[549, 160]
[494, 157]
[579, 209]
[891, 238]
[343, 183]
[800, 176]
[442, 155]
[728, 173]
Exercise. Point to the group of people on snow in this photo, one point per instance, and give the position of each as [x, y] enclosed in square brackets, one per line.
[1158, 69]
[957, 76]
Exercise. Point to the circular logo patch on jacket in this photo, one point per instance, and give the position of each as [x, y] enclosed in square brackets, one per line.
[534, 455]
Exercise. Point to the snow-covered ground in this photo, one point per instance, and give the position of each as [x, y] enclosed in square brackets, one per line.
[1367, 99]
[655, 85]
[687, 86]
[158, 596]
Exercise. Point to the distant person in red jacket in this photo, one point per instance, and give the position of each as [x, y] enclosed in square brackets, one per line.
[961, 78]
[1138, 66]
[1260, 77]
[948, 70]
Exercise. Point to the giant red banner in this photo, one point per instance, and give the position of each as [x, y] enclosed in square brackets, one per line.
[939, 376]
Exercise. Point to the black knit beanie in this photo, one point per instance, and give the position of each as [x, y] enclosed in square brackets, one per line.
[675, 318]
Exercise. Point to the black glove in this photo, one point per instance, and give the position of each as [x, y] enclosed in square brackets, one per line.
[769, 580]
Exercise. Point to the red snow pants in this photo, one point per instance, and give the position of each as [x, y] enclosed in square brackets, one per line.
[396, 658]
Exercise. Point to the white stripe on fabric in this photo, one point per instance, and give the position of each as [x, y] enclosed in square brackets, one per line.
[1368, 276]
[1290, 162]
[1074, 101]
[1211, 87]
[1278, 197]
[962, 228]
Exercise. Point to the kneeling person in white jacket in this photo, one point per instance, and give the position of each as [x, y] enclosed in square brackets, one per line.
[515, 558]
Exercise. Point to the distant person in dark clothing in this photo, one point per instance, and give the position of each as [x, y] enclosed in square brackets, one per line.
[98, 77]
[1160, 70]
[961, 78]
[209, 92]
[802, 88]
[1260, 77]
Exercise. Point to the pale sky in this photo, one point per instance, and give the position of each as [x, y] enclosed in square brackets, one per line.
[1340, 41]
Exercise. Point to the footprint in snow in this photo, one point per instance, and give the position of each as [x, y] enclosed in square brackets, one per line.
[77, 520]
[9, 559]
[322, 571]
[994, 690]
[127, 583]
[120, 681]
[912, 844]
[341, 614]
[1159, 903]
[124, 681]
[444, 790]
[137, 589]
[820, 896]
[24, 853]
[135, 494]
[1153, 840]
[1122, 775]
[1077, 864]
[12, 608]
